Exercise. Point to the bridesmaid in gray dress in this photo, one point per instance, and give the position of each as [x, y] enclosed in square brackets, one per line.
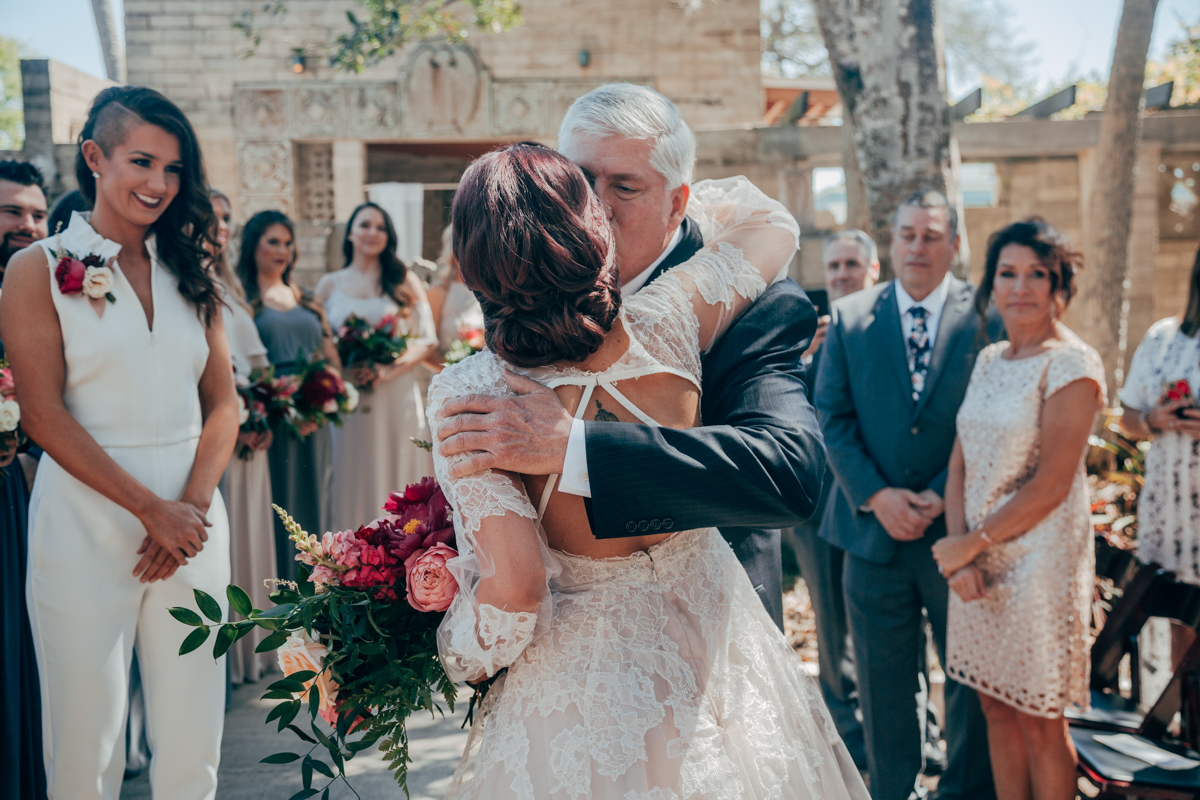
[290, 324]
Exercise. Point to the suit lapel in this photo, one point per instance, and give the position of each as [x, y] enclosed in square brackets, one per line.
[889, 337]
[690, 241]
[954, 317]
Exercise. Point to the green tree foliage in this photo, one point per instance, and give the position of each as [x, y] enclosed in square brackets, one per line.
[12, 115]
[792, 43]
[1182, 65]
[382, 27]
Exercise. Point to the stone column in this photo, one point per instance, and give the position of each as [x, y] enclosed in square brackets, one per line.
[349, 176]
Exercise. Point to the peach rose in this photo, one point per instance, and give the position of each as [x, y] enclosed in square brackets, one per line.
[431, 587]
[301, 654]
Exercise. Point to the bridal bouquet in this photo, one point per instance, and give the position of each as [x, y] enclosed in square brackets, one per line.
[356, 635]
[10, 412]
[469, 342]
[320, 395]
[264, 399]
[359, 343]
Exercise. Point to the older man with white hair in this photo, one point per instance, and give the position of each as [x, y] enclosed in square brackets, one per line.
[758, 460]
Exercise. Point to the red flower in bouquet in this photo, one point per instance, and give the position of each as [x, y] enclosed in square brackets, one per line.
[1179, 391]
[320, 388]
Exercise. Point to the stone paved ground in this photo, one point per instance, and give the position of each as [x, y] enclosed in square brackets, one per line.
[436, 746]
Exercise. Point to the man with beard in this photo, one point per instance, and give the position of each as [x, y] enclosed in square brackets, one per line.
[757, 463]
[22, 208]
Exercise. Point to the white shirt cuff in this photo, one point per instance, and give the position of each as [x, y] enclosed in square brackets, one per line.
[574, 479]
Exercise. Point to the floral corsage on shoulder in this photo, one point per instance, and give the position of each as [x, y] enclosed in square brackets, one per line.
[85, 275]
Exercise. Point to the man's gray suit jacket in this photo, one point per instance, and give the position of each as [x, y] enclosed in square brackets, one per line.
[876, 436]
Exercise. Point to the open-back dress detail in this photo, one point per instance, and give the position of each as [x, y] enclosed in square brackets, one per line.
[653, 676]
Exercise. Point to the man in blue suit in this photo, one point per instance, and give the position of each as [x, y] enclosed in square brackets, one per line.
[894, 370]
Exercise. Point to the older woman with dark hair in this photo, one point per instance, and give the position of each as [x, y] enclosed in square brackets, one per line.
[1018, 553]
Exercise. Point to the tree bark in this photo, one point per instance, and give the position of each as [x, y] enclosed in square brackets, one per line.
[111, 46]
[1102, 290]
[887, 62]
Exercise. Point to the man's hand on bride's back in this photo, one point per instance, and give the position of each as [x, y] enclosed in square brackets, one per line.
[525, 434]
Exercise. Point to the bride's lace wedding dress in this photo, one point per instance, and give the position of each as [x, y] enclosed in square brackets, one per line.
[657, 676]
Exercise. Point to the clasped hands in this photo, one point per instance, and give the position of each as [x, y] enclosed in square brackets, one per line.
[175, 532]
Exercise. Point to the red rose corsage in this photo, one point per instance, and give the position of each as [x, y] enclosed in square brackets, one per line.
[87, 276]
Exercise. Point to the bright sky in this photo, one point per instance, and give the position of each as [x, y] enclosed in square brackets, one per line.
[1067, 34]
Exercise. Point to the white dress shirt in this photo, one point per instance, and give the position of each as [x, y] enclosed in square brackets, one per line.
[574, 479]
[933, 304]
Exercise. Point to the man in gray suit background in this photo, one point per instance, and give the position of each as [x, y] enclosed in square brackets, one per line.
[894, 369]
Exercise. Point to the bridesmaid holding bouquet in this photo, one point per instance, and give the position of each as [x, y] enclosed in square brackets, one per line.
[293, 327]
[116, 338]
[372, 455]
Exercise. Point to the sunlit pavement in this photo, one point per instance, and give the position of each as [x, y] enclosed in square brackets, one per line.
[435, 744]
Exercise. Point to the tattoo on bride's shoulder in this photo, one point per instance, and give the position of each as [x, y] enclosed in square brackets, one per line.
[604, 416]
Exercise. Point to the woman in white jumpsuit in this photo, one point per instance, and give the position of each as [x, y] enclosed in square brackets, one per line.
[133, 401]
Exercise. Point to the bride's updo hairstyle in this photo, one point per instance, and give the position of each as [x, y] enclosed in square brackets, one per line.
[534, 243]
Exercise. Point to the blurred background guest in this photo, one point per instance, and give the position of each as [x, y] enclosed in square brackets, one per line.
[454, 305]
[851, 265]
[1018, 553]
[290, 323]
[372, 454]
[1169, 502]
[246, 484]
[22, 222]
[64, 207]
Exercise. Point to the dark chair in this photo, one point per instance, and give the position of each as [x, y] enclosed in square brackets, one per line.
[1118, 775]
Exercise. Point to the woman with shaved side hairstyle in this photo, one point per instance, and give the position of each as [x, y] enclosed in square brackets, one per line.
[114, 331]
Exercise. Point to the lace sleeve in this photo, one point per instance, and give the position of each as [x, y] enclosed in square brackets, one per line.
[1075, 362]
[476, 639]
[749, 241]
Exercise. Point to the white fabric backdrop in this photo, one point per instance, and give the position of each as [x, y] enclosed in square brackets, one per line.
[405, 202]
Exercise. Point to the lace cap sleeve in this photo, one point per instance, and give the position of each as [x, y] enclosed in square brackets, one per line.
[476, 640]
[1073, 362]
[749, 240]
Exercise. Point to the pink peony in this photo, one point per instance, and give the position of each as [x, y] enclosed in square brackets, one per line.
[7, 387]
[431, 587]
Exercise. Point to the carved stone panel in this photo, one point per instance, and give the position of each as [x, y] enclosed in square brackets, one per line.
[262, 114]
[372, 111]
[317, 111]
[265, 168]
[443, 91]
[314, 182]
[562, 95]
[519, 107]
[253, 205]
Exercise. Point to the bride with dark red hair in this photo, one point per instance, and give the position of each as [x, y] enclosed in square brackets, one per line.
[642, 668]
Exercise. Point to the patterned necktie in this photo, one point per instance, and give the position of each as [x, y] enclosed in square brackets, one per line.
[920, 354]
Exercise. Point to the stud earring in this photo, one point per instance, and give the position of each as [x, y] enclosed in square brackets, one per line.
[96, 175]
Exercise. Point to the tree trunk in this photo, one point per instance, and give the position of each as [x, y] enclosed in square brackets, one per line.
[111, 46]
[887, 62]
[1102, 292]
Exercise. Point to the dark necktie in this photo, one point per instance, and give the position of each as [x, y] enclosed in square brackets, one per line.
[920, 353]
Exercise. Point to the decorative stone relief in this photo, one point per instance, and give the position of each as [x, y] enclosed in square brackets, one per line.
[373, 111]
[262, 114]
[314, 179]
[253, 205]
[317, 111]
[443, 90]
[519, 107]
[265, 168]
[562, 95]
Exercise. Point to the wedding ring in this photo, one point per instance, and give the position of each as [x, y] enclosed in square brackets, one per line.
[940, 570]
[1171, 424]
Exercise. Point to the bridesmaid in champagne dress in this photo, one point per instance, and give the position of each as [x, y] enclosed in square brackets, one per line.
[291, 324]
[247, 481]
[372, 454]
[454, 305]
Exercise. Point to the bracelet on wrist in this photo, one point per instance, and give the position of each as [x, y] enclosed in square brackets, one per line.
[1144, 418]
[987, 539]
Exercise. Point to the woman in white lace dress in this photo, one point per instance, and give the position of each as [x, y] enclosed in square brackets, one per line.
[1019, 553]
[642, 668]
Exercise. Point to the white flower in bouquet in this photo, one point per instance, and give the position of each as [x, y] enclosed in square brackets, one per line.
[330, 407]
[97, 282]
[351, 397]
[243, 411]
[10, 416]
